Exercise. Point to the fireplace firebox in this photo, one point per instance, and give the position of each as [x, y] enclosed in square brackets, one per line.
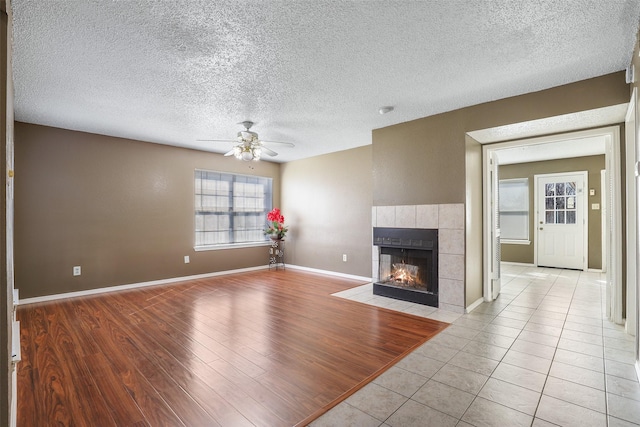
[408, 264]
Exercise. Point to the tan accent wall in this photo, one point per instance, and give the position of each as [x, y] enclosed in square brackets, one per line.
[121, 209]
[473, 222]
[593, 165]
[423, 161]
[326, 201]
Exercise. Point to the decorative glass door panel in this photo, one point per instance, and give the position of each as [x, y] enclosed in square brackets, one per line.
[560, 202]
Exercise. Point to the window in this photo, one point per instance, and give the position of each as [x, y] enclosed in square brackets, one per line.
[560, 203]
[230, 209]
[514, 209]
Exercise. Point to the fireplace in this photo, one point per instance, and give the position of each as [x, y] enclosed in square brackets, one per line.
[408, 264]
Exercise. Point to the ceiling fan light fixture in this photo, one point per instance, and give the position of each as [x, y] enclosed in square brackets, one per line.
[248, 145]
[247, 152]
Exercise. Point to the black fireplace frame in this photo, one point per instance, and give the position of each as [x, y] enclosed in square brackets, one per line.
[409, 238]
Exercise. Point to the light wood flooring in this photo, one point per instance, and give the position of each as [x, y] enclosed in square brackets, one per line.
[265, 348]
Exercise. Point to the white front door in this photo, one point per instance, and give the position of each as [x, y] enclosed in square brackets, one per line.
[561, 220]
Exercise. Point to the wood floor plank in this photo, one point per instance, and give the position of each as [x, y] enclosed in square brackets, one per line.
[263, 348]
[122, 405]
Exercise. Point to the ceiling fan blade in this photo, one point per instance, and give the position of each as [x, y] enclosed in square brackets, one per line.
[288, 144]
[217, 140]
[230, 153]
[268, 151]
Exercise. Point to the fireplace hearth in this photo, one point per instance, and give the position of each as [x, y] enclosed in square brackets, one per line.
[408, 264]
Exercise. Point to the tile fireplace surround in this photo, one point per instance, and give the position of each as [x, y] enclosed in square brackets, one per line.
[448, 219]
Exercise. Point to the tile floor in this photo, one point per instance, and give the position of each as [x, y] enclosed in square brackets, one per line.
[540, 355]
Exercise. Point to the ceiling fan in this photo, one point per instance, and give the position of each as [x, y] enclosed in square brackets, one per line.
[248, 146]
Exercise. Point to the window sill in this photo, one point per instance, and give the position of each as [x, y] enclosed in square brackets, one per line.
[515, 242]
[231, 246]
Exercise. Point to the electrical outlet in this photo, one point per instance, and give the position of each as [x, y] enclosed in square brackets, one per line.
[77, 270]
[186, 259]
[344, 257]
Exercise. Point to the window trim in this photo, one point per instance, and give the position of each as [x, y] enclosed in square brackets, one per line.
[515, 242]
[230, 246]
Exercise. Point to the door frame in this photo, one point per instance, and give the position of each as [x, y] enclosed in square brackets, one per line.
[585, 215]
[632, 141]
[631, 170]
[612, 165]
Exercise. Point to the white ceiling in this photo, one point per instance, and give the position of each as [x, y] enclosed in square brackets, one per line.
[313, 73]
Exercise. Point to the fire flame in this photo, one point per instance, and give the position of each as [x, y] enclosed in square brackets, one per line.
[404, 274]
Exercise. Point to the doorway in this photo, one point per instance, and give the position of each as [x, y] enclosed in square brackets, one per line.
[561, 220]
[576, 144]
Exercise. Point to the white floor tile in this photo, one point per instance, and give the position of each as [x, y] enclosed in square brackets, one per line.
[511, 395]
[527, 361]
[347, 416]
[577, 375]
[623, 408]
[416, 414]
[520, 376]
[619, 369]
[483, 412]
[537, 356]
[567, 414]
[579, 359]
[401, 381]
[377, 401]
[460, 378]
[575, 393]
[444, 398]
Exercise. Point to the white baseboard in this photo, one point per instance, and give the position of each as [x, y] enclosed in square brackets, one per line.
[88, 292]
[330, 273]
[14, 397]
[522, 264]
[525, 264]
[474, 305]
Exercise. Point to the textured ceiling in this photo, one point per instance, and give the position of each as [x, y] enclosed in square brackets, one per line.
[313, 73]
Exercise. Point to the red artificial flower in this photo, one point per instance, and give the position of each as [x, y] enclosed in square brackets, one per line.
[275, 216]
[276, 224]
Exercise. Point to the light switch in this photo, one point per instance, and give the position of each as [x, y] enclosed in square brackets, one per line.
[595, 206]
[592, 191]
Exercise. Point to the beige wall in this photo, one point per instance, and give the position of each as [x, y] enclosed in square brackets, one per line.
[327, 202]
[120, 209]
[593, 165]
[473, 222]
[423, 161]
